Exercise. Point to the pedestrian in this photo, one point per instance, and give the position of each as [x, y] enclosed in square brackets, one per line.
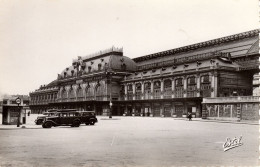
[189, 116]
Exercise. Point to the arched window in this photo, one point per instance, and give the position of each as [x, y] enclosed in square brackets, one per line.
[147, 90]
[205, 86]
[99, 67]
[167, 88]
[191, 87]
[179, 82]
[123, 66]
[71, 93]
[157, 89]
[179, 87]
[130, 92]
[80, 92]
[191, 80]
[63, 94]
[99, 91]
[204, 79]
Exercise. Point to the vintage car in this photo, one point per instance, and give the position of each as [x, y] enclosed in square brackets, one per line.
[88, 117]
[70, 118]
[39, 119]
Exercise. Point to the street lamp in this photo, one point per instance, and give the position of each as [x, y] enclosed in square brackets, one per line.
[110, 103]
[18, 102]
[108, 74]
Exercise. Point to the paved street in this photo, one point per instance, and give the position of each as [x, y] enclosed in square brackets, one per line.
[129, 141]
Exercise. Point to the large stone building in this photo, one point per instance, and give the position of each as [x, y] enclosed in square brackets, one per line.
[169, 83]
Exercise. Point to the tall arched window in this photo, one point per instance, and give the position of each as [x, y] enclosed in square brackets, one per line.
[89, 92]
[138, 91]
[130, 92]
[205, 86]
[80, 93]
[63, 94]
[71, 93]
[167, 88]
[157, 89]
[147, 90]
[99, 91]
[179, 87]
[191, 87]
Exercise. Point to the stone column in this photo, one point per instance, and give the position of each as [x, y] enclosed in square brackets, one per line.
[239, 106]
[212, 85]
[133, 110]
[198, 85]
[162, 88]
[173, 88]
[125, 91]
[173, 109]
[204, 111]
[142, 110]
[152, 85]
[161, 110]
[185, 86]
[152, 111]
[142, 83]
[133, 85]
[216, 84]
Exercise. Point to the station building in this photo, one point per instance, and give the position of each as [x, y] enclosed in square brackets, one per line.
[166, 84]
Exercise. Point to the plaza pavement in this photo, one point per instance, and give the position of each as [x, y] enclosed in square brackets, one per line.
[130, 141]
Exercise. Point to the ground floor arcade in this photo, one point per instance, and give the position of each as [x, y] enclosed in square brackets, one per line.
[153, 107]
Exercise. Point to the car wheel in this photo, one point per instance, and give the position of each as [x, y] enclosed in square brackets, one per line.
[92, 122]
[76, 123]
[39, 122]
[47, 125]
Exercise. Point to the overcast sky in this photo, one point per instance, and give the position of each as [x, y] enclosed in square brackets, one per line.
[39, 38]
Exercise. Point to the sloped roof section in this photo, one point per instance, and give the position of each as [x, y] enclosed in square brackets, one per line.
[237, 45]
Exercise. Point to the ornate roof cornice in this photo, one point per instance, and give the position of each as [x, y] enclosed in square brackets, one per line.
[199, 45]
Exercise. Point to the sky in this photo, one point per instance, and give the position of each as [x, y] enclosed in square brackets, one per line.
[39, 38]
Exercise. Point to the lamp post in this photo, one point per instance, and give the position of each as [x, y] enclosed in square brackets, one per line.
[110, 103]
[18, 102]
[109, 77]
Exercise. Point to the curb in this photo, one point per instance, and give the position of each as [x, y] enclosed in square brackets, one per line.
[219, 121]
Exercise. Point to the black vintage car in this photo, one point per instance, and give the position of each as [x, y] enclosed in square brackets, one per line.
[39, 120]
[70, 118]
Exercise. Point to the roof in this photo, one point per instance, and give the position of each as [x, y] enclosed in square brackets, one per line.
[214, 42]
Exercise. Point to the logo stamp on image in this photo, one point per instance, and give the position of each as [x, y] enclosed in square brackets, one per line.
[232, 143]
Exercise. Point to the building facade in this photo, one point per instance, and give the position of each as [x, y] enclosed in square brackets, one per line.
[167, 84]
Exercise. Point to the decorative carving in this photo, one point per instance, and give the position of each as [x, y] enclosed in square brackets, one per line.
[186, 65]
[198, 63]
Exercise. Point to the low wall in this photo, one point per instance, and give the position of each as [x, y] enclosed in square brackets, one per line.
[233, 108]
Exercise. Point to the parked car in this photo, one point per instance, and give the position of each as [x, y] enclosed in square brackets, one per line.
[70, 118]
[88, 117]
[39, 119]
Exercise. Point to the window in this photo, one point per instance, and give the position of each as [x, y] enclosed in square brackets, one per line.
[89, 69]
[123, 66]
[191, 81]
[178, 82]
[99, 67]
[204, 79]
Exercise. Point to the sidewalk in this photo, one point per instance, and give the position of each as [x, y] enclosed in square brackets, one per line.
[249, 122]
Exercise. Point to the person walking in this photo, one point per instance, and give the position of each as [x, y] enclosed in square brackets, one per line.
[189, 116]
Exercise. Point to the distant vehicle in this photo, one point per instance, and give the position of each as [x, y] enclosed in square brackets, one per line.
[71, 118]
